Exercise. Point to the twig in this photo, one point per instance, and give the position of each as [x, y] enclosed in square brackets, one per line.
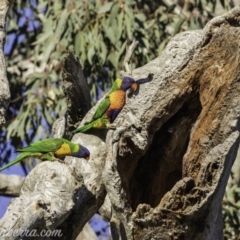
[129, 52]
[10, 185]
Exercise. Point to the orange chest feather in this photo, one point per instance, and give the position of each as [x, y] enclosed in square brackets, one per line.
[117, 99]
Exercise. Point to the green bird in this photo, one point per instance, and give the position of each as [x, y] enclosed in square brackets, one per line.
[49, 149]
[111, 105]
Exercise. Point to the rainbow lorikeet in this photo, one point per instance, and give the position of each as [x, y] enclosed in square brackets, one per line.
[49, 149]
[111, 105]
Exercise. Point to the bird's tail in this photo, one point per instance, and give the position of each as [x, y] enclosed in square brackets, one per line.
[84, 128]
[16, 160]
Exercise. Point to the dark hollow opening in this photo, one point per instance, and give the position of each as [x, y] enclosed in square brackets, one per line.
[161, 167]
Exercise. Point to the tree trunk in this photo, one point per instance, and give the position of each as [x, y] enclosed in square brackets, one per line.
[164, 169]
[4, 89]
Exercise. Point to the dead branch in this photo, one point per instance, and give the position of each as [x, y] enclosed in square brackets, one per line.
[129, 51]
[10, 185]
[76, 90]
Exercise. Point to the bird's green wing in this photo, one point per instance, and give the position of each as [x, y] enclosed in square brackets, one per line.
[102, 108]
[44, 146]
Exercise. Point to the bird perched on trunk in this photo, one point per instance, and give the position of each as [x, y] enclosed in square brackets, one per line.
[49, 149]
[111, 105]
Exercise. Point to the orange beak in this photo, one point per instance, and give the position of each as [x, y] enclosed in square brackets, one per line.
[87, 158]
[134, 86]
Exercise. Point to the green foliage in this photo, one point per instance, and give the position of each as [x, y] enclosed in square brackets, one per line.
[231, 210]
[97, 31]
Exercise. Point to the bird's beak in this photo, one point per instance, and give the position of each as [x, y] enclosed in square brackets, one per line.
[134, 86]
[87, 157]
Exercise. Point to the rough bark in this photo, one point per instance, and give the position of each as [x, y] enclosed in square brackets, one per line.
[166, 166]
[4, 89]
[172, 161]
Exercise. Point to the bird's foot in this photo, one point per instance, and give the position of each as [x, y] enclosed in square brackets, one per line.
[60, 160]
[42, 203]
[118, 133]
[111, 126]
[73, 172]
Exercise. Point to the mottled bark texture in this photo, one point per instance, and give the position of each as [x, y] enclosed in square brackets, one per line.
[166, 172]
[166, 165]
[4, 89]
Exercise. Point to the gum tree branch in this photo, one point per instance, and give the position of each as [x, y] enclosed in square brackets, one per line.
[4, 90]
[106, 208]
[10, 185]
[168, 166]
[129, 51]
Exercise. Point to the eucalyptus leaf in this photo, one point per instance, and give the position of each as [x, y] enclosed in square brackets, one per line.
[62, 22]
[113, 58]
[103, 52]
[114, 12]
[120, 24]
[177, 25]
[163, 17]
[43, 37]
[105, 8]
[110, 34]
[90, 53]
[141, 17]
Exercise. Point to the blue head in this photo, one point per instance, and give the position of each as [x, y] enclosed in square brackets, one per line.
[128, 82]
[83, 152]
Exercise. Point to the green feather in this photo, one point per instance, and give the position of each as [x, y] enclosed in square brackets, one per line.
[44, 146]
[84, 128]
[98, 123]
[102, 108]
[74, 147]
